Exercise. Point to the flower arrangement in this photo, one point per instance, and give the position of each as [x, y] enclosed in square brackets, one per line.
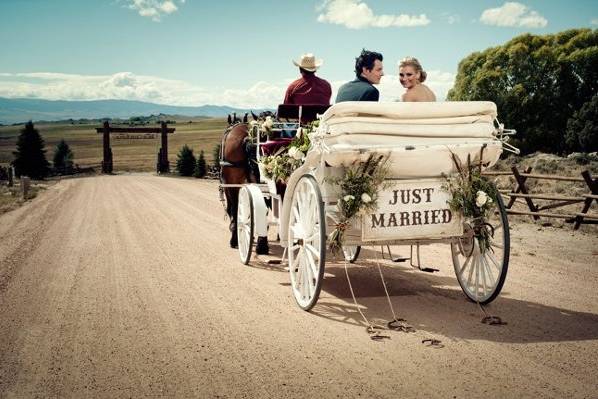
[474, 196]
[360, 187]
[280, 166]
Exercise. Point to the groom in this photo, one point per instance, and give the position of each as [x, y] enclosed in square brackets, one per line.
[368, 72]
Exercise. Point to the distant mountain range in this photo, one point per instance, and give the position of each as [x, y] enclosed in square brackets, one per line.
[17, 110]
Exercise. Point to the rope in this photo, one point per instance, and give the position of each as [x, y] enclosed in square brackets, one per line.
[396, 323]
[372, 329]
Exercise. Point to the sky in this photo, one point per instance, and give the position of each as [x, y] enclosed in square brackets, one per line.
[239, 53]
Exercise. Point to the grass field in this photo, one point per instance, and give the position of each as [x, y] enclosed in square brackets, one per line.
[128, 154]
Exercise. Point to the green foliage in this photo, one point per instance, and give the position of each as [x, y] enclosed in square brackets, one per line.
[582, 128]
[30, 156]
[216, 155]
[280, 166]
[537, 83]
[473, 196]
[200, 166]
[360, 187]
[185, 163]
[63, 157]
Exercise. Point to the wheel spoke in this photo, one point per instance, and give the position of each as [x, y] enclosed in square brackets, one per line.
[465, 265]
[472, 267]
[498, 267]
[312, 264]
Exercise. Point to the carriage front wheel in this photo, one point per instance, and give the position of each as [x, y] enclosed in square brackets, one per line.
[245, 225]
[307, 242]
[481, 271]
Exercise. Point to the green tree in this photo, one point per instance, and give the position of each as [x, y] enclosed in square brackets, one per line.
[537, 83]
[216, 156]
[582, 128]
[185, 163]
[63, 157]
[30, 156]
[200, 166]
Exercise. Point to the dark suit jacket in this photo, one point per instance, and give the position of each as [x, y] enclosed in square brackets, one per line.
[359, 89]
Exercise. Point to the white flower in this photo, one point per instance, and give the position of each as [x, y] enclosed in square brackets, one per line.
[348, 198]
[481, 199]
[268, 123]
[366, 198]
[295, 153]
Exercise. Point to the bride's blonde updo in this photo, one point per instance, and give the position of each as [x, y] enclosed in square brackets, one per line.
[413, 62]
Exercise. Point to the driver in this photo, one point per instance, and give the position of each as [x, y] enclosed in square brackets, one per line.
[308, 89]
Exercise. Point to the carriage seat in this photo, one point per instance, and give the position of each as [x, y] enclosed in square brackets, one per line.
[419, 138]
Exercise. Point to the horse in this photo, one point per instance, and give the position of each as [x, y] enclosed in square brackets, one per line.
[238, 166]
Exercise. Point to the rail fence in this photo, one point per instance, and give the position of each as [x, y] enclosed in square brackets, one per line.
[521, 193]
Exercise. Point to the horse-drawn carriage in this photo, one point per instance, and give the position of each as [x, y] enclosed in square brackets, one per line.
[429, 156]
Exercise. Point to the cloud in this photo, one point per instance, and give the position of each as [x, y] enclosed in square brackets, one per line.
[512, 14]
[594, 22]
[153, 9]
[129, 86]
[451, 18]
[355, 14]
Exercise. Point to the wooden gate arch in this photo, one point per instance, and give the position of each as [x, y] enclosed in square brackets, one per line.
[162, 164]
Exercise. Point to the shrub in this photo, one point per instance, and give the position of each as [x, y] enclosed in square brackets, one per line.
[216, 156]
[185, 163]
[63, 158]
[200, 166]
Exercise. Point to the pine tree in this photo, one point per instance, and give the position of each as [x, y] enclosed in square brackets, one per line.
[185, 163]
[216, 156]
[30, 156]
[63, 157]
[200, 166]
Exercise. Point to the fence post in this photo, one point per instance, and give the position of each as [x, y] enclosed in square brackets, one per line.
[11, 176]
[593, 186]
[25, 185]
[521, 188]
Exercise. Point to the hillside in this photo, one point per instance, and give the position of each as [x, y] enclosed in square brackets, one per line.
[22, 110]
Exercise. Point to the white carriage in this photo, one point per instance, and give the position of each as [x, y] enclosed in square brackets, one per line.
[418, 140]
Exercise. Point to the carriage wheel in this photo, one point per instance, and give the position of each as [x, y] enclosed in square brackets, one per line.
[307, 242]
[351, 252]
[245, 225]
[482, 272]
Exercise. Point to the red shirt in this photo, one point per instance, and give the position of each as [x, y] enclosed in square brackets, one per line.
[308, 89]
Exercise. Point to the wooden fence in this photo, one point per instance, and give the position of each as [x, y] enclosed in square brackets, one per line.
[521, 191]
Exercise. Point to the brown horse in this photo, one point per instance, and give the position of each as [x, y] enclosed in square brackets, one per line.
[237, 166]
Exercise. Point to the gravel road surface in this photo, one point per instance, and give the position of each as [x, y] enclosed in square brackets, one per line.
[124, 286]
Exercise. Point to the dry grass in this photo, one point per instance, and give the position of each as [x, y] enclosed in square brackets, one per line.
[128, 154]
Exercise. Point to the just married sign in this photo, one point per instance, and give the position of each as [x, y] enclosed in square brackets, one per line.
[412, 209]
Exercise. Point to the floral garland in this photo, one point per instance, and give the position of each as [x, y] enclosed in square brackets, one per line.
[280, 166]
[360, 187]
[474, 196]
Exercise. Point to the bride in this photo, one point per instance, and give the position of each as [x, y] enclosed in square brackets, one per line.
[412, 76]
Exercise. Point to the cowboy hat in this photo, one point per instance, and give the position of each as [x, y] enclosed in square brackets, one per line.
[308, 62]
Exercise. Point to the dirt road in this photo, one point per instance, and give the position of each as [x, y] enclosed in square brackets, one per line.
[123, 286]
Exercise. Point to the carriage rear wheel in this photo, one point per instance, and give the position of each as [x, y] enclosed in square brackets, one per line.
[351, 252]
[245, 225]
[307, 242]
[481, 272]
